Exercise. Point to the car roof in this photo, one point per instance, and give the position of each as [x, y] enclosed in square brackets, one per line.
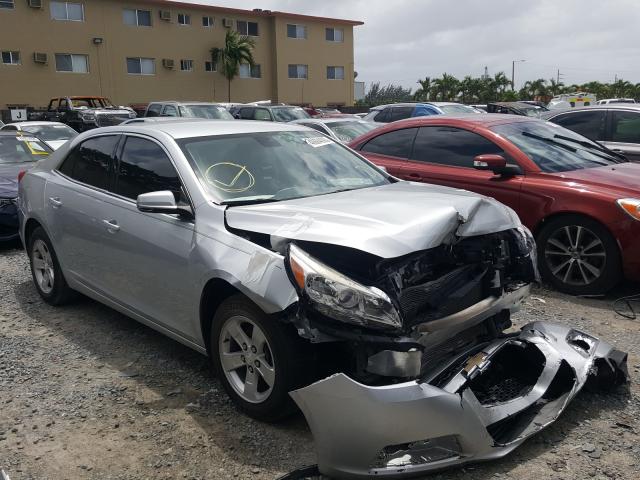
[190, 102]
[205, 128]
[486, 120]
[329, 120]
[35, 123]
[607, 106]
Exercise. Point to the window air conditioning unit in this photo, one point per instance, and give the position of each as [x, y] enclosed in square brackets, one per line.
[35, 3]
[40, 57]
[227, 22]
[165, 15]
[168, 63]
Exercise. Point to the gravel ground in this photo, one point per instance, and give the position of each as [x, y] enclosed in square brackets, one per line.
[86, 393]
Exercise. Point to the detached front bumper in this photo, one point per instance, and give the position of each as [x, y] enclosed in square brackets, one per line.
[484, 405]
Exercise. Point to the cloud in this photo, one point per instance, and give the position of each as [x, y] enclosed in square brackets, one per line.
[403, 40]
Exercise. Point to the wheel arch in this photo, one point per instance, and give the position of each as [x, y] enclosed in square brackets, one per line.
[215, 291]
[29, 228]
[557, 215]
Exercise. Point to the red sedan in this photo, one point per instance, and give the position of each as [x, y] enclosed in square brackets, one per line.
[581, 201]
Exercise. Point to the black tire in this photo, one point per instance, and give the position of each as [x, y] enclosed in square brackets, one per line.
[290, 358]
[608, 265]
[60, 293]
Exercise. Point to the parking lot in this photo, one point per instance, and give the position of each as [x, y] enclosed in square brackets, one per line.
[88, 393]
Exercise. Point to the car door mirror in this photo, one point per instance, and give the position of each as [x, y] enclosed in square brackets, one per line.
[157, 202]
[494, 163]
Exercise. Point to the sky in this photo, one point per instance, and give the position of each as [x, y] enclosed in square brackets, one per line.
[404, 40]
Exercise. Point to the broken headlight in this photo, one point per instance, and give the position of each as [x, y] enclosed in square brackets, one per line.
[339, 297]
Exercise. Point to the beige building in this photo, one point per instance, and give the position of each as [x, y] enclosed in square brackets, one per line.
[136, 51]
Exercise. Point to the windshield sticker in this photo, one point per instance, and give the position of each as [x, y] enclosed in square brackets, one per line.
[318, 141]
[27, 139]
[230, 177]
[36, 149]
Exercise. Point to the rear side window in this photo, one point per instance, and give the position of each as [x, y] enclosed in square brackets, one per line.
[383, 116]
[625, 127]
[154, 110]
[587, 124]
[143, 168]
[451, 146]
[91, 162]
[395, 144]
[400, 113]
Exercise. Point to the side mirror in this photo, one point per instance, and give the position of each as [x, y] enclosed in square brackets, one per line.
[495, 163]
[157, 202]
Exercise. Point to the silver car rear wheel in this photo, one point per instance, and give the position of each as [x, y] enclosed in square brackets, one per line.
[43, 268]
[246, 358]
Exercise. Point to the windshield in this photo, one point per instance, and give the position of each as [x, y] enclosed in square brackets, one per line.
[534, 111]
[205, 111]
[270, 166]
[21, 149]
[51, 133]
[553, 148]
[92, 102]
[347, 131]
[287, 114]
[451, 109]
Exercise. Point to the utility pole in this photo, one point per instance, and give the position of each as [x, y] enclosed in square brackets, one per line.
[513, 73]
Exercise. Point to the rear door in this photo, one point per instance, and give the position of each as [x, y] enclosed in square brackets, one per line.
[391, 150]
[623, 134]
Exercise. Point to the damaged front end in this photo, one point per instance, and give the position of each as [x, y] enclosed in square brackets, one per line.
[481, 406]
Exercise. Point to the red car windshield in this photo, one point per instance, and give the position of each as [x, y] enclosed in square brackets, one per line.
[553, 148]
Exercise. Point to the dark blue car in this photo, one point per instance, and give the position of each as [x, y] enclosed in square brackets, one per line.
[18, 152]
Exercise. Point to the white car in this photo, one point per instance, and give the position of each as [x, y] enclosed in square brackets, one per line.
[607, 101]
[54, 134]
[342, 129]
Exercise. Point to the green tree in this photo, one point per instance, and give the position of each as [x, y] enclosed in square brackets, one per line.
[446, 88]
[422, 94]
[555, 87]
[237, 49]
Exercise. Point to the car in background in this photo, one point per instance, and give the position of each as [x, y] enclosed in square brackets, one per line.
[480, 106]
[342, 129]
[608, 101]
[211, 111]
[572, 100]
[54, 134]
[84, 112]
[517, 108]
[270, 113]
[616, 126]
[154, 120]
[400, 111]
[18, 152]
[581, 202]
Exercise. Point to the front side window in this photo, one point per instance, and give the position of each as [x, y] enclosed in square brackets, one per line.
[400, 113]
[298, 71]
[588, 124]
[262, 114]
[247, 28]
[154, 110]
[8, 4]
[11, 58]
[625, 127]
[451, 146]
[248, 71]
[207, 22]
[91, 162]
[186, 65]
[145, 167]
[67, 11]
[140, 18]
[335, 73]
[276, 166]
[184, 19]
[394, 144]
[21, 149]
[170, 111]
[297, 31]
[141, 66]
[68, 62]
[334, 34]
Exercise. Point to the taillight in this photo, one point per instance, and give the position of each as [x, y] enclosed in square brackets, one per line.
[21, 174]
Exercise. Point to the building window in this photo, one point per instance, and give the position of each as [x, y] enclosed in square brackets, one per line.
[140, 18]
[184, 19]
[298, 71]
[247, 28]
[11, 58]
[141, 66]
[296, 31]
[210, 67]
[8, 4]
[207, 22]
[247, 71]
[334, 35]
[67, 62]
[335, 73]
[68, 11]
[186, 65]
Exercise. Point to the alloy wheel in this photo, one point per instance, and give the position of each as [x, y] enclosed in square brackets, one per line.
[575, 255]
[42, 263]
[246, 359]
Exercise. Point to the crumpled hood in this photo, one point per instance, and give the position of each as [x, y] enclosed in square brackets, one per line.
[388, 221]
[619, 180]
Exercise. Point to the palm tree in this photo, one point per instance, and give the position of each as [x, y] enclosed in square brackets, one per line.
[237, 49]
[422, 94]
[446, 87]
[555, 87]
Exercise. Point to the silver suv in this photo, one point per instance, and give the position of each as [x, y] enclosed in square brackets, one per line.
[305, 272]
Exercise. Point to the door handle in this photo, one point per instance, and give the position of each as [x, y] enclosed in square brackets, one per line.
[415, 176]
[55, 202]
[111, 225]
[617, 150]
